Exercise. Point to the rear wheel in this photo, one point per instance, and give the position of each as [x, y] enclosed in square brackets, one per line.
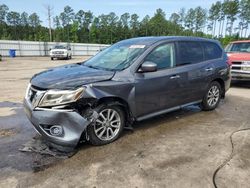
[52, 58]
[108, 126]
[212, 98]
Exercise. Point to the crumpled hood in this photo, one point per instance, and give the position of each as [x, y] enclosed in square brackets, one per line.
[69, 77]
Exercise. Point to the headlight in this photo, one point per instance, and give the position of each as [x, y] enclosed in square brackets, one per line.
[59, 97]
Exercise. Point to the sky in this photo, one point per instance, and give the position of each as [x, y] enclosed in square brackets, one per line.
[98, 7]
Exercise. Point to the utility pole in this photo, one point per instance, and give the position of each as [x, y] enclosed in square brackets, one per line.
[49, 13]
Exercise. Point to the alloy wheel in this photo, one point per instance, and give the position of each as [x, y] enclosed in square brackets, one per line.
[107, 124]
[213, 95]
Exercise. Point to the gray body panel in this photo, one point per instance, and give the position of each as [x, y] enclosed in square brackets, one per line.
[72, 123]
[146, 94]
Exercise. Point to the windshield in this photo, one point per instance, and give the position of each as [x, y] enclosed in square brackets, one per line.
[59, 47]
[117, 57]
[238, 47]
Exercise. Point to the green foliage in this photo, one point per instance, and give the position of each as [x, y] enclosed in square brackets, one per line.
[3, 12]
[227, 39]
[85, 27]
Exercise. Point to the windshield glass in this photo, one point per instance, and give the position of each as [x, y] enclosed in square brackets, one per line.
[59, 47]
[117, 57]
[239, 47]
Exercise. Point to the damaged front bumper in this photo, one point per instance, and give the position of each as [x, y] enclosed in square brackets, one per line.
[61, 127]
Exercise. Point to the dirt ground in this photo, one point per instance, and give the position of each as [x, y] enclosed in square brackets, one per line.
[179, 149]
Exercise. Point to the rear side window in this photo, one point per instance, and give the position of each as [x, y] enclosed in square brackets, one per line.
[189, 53]
[211, 51]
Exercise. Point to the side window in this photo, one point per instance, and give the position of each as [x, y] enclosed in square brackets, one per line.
[211, 51]
[163, 56]
[189, 53]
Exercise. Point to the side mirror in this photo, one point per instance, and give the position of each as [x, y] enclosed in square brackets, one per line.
[69, 48]
[50, 49]
[148, 66]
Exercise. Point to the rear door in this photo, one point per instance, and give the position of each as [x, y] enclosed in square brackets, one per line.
[216, 66]
[191, 61]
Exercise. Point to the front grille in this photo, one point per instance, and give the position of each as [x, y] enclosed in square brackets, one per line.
[34, 95]
[238, 65]
[59, 52]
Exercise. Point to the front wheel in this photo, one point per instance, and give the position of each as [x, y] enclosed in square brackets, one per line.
[108, 126]
[212, 97]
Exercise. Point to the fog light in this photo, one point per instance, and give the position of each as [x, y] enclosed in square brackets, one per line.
[56, 130]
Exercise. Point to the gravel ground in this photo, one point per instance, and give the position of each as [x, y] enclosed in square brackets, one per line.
[179, 149]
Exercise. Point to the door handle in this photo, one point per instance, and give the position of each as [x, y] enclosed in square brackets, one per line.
[175, 77]
[209, 69]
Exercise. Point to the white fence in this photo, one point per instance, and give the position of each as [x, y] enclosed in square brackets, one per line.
[30, 48]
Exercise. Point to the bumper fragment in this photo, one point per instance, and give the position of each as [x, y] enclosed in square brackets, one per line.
[72, 123]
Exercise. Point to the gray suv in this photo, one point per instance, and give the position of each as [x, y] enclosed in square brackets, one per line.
[132, 80]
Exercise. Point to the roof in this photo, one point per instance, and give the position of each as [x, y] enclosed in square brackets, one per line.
[151, 40]
[240, 41]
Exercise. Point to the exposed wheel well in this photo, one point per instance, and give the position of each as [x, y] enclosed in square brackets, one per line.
[222, 84]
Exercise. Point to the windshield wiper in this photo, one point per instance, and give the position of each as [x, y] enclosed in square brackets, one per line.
[90, 66]
[100, 68]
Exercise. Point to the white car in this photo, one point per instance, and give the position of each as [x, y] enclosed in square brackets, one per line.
[60, 52]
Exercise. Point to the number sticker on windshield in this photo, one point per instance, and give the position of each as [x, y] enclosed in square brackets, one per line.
[137, 46]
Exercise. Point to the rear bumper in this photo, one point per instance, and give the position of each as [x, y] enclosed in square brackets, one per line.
[72, 124]
[240, 75]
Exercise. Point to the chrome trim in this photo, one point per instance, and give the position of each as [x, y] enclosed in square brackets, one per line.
[38, 95]
[27, 91]
[36, 89]
[240, 71]
[53, 109]
[240, 65]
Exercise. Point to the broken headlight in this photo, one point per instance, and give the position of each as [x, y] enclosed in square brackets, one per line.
[59, 97]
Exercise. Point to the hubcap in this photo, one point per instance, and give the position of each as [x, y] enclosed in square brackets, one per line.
[107, 124]
[213, 96]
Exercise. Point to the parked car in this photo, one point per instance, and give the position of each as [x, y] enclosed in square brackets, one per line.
[60, 52]
[132, 80]
[239, 56]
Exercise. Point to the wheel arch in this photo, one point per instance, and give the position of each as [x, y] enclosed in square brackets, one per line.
[112, 100]
[222, 84]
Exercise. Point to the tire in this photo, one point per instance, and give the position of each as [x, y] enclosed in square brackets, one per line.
[101, 136]
[212, 97]
[52, 58]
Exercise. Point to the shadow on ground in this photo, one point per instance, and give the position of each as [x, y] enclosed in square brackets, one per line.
[16, 131]
[241, 84]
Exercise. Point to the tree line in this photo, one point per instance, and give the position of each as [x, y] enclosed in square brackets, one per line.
[225, 20]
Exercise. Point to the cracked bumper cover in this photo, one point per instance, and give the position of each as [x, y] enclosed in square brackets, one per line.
[73, 124]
